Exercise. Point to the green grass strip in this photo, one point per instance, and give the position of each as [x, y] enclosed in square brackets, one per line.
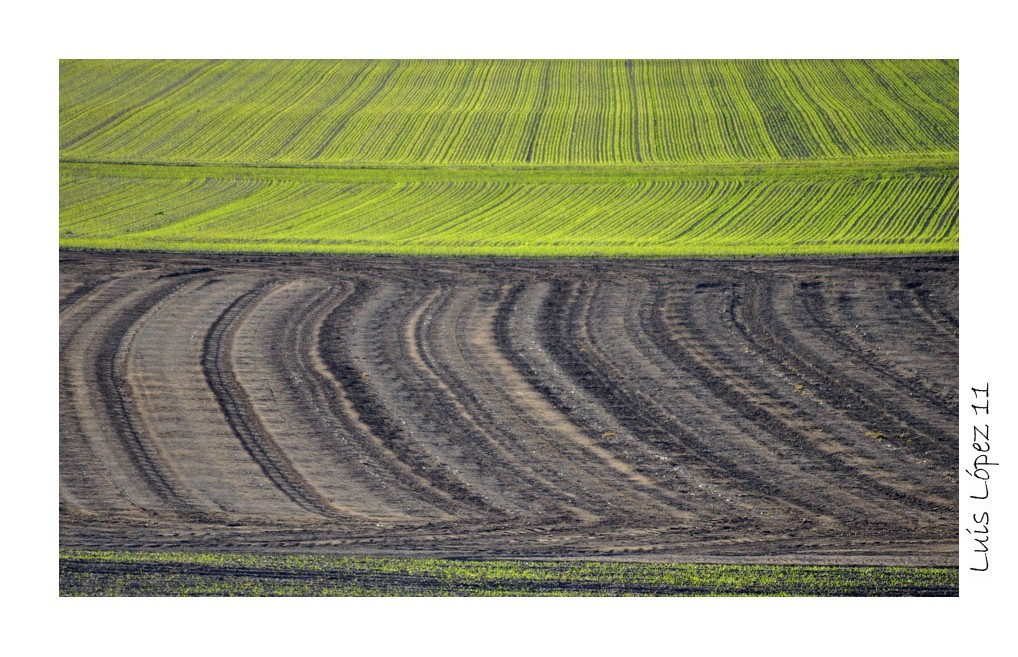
[905, 206]
[105, 573]
[449, 112]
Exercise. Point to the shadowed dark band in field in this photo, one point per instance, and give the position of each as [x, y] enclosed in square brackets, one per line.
[754, 411]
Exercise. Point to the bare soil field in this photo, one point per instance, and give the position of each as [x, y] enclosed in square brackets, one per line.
[757, 410]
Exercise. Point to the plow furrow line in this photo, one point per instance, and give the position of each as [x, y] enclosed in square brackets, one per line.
[361, 472]
[757, 321]
[845, 478]
[906, 417]
[155, 469]
[613, 387]
[217, 366]
[376, 407]
[322, 352]
[677, 354]
[489, 448]
[584, 426]
[836, 321]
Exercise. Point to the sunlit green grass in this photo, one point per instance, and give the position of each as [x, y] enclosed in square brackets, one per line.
[103, 573]
[843, 208]
[505, 112]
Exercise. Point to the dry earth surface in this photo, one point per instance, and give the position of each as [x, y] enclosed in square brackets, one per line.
[781, 411]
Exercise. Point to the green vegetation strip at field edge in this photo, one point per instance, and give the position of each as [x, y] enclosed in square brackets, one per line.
[103, 573]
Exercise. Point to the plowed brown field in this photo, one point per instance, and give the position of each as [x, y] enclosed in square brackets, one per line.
[799, 411]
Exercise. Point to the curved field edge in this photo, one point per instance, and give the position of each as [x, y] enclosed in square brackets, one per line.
[108, 573]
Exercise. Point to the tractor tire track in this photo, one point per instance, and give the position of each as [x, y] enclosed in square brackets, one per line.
[320, 351]
[841, 473]
[555, 402]
[313, 405]
[696, 377]
[521, 429]
[90, 486]
[757, 320]
[217, 366]
[836, 322]
[485, 454]
[110, 377]
[356, 364]
[642, 415]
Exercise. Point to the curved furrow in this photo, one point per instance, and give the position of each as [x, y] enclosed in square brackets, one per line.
[573, 439]
[266, 362]
[484, 459]
[691, 330]
[85, 484]
[218, 367]
[447, 431]
[179, 407]
[932, 299]
[82, 290]
[693, 381]
[305, 408]
[509, 482]
[364, 348]
[415, 493]
[836, 318]
[463, 351]
[645, 417]
[340, 387]
[574, 427]
[937, 311]
[152, 466]
[760, 324]
[905, 417]
[588, 402]
[461, 443]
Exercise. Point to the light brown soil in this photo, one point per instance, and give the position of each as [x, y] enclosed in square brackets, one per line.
[799, 411]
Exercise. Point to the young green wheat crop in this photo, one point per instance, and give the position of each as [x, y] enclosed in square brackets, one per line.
[545, 158]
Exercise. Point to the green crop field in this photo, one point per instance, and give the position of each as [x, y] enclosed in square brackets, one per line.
[104, 573]
[523, 158]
